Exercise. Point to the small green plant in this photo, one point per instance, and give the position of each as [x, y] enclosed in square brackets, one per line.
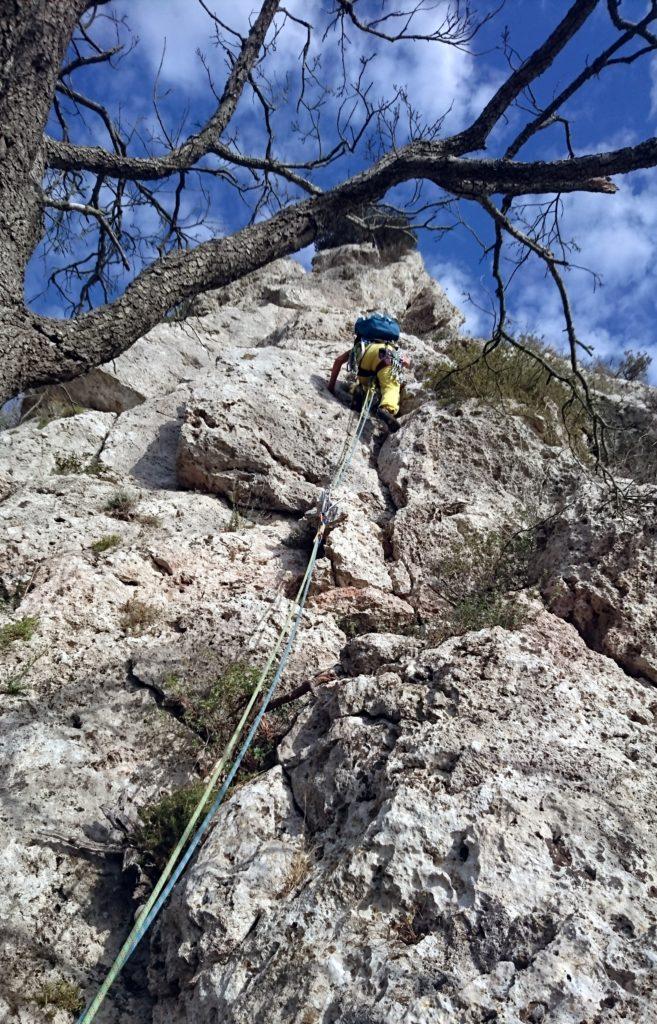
[60, 995]
[22, 630]
[55, 411]
[68, 464]
[509, 374]
[243, 509]
[164, 821]
[65, 464]
[96, 468]
[121, 505]
[484, 610]
[478, 582]
[212, 715]
[15, 688]
[14, 684]
[105, 543]
[138, 616]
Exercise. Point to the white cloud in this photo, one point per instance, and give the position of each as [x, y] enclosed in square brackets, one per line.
[653, 88]
[464, 290]
[617, 236]
[185, 27]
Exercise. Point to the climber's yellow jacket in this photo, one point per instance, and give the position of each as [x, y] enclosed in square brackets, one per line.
[378, 355]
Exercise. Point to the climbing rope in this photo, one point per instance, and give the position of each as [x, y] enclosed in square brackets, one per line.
[328, 511]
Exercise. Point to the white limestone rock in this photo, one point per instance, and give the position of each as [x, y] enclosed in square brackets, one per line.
[454, 868]
[451, 832]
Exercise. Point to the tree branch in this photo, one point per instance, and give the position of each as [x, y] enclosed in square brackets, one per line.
[64, 156]
[476, 135]
[89, 211]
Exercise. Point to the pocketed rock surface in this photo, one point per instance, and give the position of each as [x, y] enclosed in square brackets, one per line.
[453, 827]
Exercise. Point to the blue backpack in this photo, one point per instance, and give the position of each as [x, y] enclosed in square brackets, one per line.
[372, 328]
[377, 327]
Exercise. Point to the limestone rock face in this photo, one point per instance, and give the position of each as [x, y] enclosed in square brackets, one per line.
[599, 572]
[444, 868]
[452, 817]
[261, 437]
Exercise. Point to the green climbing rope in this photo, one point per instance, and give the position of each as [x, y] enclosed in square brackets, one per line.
[171, 873]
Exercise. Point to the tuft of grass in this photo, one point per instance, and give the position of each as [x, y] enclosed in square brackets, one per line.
[138, 616]
[121, 505]
[507, 374]
[68, 464]
[15, 688]
[245, 512]
[479, 581]
[300, 865]
[60, 995]
[56, 411]
[105, 543]
[22, 630]
[14, 685]
[163, 822]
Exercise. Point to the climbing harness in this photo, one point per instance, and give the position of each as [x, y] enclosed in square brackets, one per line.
[328, 511]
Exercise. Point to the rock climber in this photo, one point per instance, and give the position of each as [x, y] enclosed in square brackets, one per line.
[375, 355]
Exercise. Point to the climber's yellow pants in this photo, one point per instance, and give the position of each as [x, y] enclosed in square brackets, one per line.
[389, 388]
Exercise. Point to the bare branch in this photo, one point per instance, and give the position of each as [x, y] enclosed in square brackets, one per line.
[547, 116]
[89, 211]
[93, 58]
[66, 157]
[458, 27]
[476, 135]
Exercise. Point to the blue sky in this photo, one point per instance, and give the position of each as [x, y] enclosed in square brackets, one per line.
[616, 235]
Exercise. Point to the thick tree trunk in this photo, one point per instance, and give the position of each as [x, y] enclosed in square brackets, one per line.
[34, 35]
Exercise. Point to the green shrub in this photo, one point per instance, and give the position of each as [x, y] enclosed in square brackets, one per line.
[137, 616]
[164, 821]
[214, 715]
[60, 995]
[508, 374]
[65, 464]
[485, 610]
[23, 629]
[105, 543]
[478, 583]
[68, 464]
[121, 505]
[634, 366]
